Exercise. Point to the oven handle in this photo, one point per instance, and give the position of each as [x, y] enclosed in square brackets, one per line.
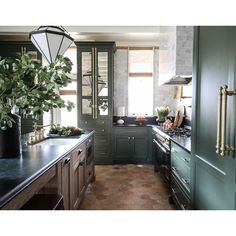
[160, 146]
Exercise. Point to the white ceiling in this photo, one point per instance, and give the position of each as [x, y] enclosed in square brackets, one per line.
[132, 35]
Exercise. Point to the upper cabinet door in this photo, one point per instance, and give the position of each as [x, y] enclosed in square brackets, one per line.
[102, 83]
[87, 73]
[95, 75]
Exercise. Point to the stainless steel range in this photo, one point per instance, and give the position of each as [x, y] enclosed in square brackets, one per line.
[161, 148]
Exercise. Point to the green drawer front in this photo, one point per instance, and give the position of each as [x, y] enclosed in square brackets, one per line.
[102, 130]
[131, 131]
[179, 196]
[103, 158]
[102, 142]
[181, 153]
[95, 123]
[180, 168]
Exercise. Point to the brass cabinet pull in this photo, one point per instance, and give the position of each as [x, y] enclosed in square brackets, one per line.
[221, 146]
[93, 81]
[219, 121]
[129, 138]
[133, 138]
[95, 84]
[223, 120]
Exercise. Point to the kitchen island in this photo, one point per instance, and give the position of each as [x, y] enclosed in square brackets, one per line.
[39, 166]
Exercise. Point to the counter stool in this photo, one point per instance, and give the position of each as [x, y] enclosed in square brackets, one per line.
[44, 202]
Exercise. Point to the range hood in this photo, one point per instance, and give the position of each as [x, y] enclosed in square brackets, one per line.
[179, 80]
[175, 56]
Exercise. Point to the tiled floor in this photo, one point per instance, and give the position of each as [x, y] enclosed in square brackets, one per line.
[126, 187]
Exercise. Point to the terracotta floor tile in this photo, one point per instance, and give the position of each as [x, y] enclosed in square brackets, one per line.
[126, 187]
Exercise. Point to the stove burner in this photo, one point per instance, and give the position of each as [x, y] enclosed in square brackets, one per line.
[178, 132]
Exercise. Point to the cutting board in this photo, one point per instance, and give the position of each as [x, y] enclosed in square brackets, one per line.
[179, 115]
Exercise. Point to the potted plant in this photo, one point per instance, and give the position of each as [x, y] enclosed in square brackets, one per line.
[162, 113]
[27, 88]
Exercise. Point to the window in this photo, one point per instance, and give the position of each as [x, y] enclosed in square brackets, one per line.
[140, 92]
[69, 93]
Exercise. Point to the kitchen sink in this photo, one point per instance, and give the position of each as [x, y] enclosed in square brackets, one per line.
[56, 142]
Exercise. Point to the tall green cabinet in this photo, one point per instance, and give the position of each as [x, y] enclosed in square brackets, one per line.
[95, 94]
[213, 175]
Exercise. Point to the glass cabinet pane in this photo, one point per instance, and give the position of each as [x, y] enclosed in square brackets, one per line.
[102, 73]
[103, 106]
[86, 106]
[86, 58]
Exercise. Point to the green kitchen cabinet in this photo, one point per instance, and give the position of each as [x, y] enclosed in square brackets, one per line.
[180, 176]
[15, 49]
[131, 145]
[213, 175]
[95, 94]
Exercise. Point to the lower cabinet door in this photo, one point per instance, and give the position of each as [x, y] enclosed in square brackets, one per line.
[77, 179]
[140, 149]
[65, 181]
[123, 149]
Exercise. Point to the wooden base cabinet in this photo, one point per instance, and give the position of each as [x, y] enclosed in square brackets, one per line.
[65, 180]
[76, 175]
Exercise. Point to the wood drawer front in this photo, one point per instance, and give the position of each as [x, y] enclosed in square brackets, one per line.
[181, 153]
[180, 168]
[79, 154]
[19, 200]
[131, 131]
[179, 196]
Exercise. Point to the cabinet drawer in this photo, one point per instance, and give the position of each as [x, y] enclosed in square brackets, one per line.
[101, 131]
[181, 153]
[179, 196]
[102, 157]
[95, 123]
[79, 154]
[179, 168]
[131, 131]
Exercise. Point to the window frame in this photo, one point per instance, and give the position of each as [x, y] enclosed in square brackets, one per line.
[140, 74]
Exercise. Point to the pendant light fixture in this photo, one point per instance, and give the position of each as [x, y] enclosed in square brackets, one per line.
[51, 41]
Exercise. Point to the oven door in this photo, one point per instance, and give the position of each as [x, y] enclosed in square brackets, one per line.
[161, 159]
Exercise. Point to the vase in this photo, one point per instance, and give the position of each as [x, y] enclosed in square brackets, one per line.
[10, 139]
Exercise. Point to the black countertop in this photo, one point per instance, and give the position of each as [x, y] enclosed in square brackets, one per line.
[183, 141]
[18, 173]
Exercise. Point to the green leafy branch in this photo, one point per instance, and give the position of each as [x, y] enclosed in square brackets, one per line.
[32, 88]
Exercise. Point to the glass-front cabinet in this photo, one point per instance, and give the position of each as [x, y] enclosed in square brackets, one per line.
[95, 104]
[94, 80]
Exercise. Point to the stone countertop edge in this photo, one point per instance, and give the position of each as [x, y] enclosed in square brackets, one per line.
[188, 149]
[20, 187]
